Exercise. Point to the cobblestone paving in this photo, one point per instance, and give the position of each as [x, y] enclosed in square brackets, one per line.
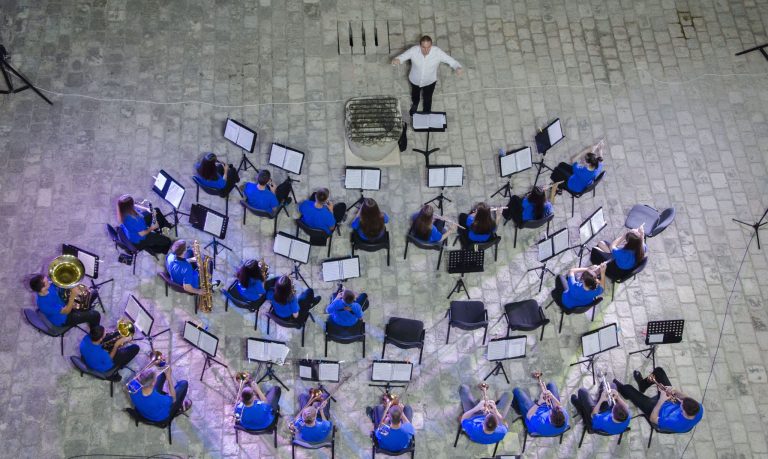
[686, 126]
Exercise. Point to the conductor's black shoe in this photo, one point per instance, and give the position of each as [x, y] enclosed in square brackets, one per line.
[642, 383]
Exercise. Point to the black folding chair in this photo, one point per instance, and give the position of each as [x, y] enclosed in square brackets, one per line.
[369, 246]
[405, 334]
[525, 315]
[467, 315]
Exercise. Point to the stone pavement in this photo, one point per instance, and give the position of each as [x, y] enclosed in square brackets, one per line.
[150, 84]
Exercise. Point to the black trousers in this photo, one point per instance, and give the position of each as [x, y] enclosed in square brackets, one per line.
[156, 242]
[92, 317]
[417, 92]
[562, 172]
[641, 401]
[233, 177]
[181, 388]
[125, 354]
[585, 403]
[514, 210]
[597, 256]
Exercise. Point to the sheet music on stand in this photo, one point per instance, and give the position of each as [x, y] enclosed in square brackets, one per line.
[445, 176]
[600, 340]
[240, 135]
[362, 178]
[515, 161]
[549, 136]
[465, 261]
[291, 247]
[512, 347]
[664, 331]
[89, 260]
[341, 268]
[286, 158]
[208, 220]
[429, 121]
[169, 189]
[200, 338]
[553, 245]
[319, 370]
[140, 317]
[264, 350]
[592, 225]
[391, 371]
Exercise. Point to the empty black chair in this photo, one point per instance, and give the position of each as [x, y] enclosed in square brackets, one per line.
[369, 246]
[621, 277]
[527, 434]
[38, 320]
[405, 334]
[270, 429]
[323, 444]
[467, 315]
[376, 448]
[655, 221]
[122, 243]
[137, 418]
[557, 299]
[411, 239]
[111, 376]
[590, 187]
[169, 283]
[231, 294]
[214, 192]
[460, 431]
[344, 335]
[587, 418]
[525, 315]
[264, 214]
[317, 237]
[532, 224]
[288, 323]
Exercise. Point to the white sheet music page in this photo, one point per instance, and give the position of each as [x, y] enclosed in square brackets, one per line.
[585, 232]
[590, 344]
[420, 121]
[282, 245]
[561, 241]
[437, 120]
[277, 155]
[174, 195]
[191, 333]
[436, 177]
[545, 249]
[231, 130]
[257, 350]
[331, 271]
[597, 221]
[207, 343]
[381, 371]
[656, 338]
[213, 223]
[401, 372]
[608, 337]
[143, 321]
[516, 347]
[350, 268]
[353, 179]
[305, 371]
[160, 181]
[328, 372]
[523, 159]
[555, 133]
[292, 161]
[496, 349]
[508, 164]
[132, 309]
[245, 139]
[278, 352]
[89, 262]
[300, 251]
[370, 179]
[454, 176]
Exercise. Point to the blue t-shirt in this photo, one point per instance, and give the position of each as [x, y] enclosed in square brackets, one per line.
[257, 416]
[539, 423]
[253, 292]
[132, 225]
[474, 430]
[434, 236]
[671, 418]
[284, 310]
[356, 226]
[51, 305]
[625, 259]
[181, 271]
[218, 183]
[578, 295]
[528, 210]
[341, 316]
[316, 433]
[476, 237]
[321, 218]
[95, 356]
[582, 177]
[260, 199]
[155, 406]
[397, 439]
[604, 422]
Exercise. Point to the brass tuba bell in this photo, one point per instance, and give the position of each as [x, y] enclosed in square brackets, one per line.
[66, 271]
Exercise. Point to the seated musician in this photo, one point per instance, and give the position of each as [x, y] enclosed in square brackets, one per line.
[611, 418]
[545, 417]
[286, 304]
[264, 194]
[532, 206]
[212, 173]
[346, 310]
[582, 286]
[101, 356]
[479, 223]
[622, 259]
[576, 177]
[670, 410]
[482, 421]
[319, 213]
[369, 222]
[400, 432]
[255, 410]
[179, 264]
[136, 223]
[308, 427]
[428, 227]
[58, 312]
[152, 402]
[250, 280]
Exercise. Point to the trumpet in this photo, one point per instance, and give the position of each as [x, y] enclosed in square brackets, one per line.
[484, 389]
[662, 388]
[315, 394]
[124, 329]
[156, 358]
[607, 389]
[390, 400]
[537, 374]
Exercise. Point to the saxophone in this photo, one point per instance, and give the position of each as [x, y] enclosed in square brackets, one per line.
[206, 298]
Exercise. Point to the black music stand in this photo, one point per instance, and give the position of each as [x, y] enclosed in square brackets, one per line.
[268, 359]
[595, 342]
[442, 177]
[134, 314]
[660, 332]
[388, 381]
[555, 250]
[510, 163]
[204, 341]
[68, 249]
[760, 223]
[172, 192]
[243, 137]
[545, 139]
[6, 67]
[361, 178]
[761, 48]
[296, 273]
[499, 367]
[462, 262]
[589, 221]
[198, 215]
[269, 375]
[279, 160]
[427, 151]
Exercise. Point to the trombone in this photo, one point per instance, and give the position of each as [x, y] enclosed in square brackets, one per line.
[156, 358]
[391, 400]
[242, 378]
[315, 394]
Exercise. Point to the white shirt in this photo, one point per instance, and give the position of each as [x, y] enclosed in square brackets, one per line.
[424, 68]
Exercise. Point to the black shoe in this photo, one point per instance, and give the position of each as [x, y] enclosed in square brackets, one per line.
[574, 400]
[316, 300]
[642, 383]
[288, 200]
[369, 412]
[412, 110]
[115, 377]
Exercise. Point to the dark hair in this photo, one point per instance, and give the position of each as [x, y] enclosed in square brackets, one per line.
[97, 331]
[179, 247]
[206, 168]
[483, 223]
[691, 406]
[395, 414]
[263, 177]
[247, 395]
[490, 422]
[249, 270]
[620, 413]
[37, 282]
[125, 207]
[348, 296]
[425, 38]
[371, 219]
[635, 244]
[321, 195]
[538, 199]
[283, 290]
[557, 417]
[589, 280]
[593, 160]
[147, 377]
[422, 224]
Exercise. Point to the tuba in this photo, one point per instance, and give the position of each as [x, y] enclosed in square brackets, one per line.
[66, 272]
[124, 329]
[206, 298]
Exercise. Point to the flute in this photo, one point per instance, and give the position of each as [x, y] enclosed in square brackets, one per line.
[440, 217]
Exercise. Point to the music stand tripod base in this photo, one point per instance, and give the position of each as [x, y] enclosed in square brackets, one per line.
[97, 299]
[505, 191]
[590, 361]
[216, 244]
[296, 273]
[648, 353]
[6, 69]
[426, 151]
[245, 163]
[756, 226]
[209, 361]
[269, 375]
[459, 287]
[498, 368]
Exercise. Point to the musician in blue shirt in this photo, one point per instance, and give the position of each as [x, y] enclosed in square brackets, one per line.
[255, 410]
[287, 305]
[480, 427]
[479, 225]
[610, 414]
[346, 310]
[370, 220]
[217, 175]
[308, 427]
[152, 402]
[670, 410]
[399, 432]
[136, 223]
[545, 417]
[319, 213]
[576, 177]
[581, 287]
[264, 194]
[58, 312]
[179, 264]
[97, 358]
[623, 254]
[250, 280]
[428, 227]
[532, 206]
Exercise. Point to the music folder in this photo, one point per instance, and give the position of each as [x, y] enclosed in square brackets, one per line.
[169, 189]
[208, 220]
[592, 225]
[200, 338]
[600, 340]
[362, 178]
[89, 260]
[445, 176]
[515, 161]
[391, 371]
[549, 136]
[264, 350]
[319, 370]
[553, 245]
[291, 247]
[341, 268]
[140, 317]
[512, 347]
[240, 135]
[286, 158]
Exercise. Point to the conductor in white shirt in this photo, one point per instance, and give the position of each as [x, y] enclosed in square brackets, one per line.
[425, 59]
